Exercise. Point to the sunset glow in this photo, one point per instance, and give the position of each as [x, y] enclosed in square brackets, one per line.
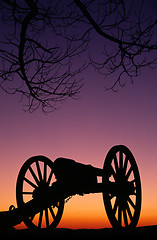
[85, 130]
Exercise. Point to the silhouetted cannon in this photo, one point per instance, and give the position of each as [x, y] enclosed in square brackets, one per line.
[43, 187]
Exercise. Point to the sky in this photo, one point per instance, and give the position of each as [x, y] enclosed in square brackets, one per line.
[85, 130]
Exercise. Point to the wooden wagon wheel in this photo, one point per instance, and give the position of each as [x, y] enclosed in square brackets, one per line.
[122, 187]
[35, 176]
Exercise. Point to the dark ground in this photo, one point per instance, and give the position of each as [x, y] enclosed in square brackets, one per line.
[148, 231]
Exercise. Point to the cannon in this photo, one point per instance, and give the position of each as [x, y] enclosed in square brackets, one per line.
[43, 187]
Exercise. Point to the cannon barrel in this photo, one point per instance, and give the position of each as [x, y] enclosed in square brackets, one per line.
[49, 185]
[55, 193]
[15, 216]
[61, 189]
[11, 218]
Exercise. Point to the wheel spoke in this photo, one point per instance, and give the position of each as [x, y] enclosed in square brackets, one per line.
[125, 217]
[52, 212]
[134, 187]
[119, 214]
[115, 162]
[128, 173]
[131, 202]
[125, 164]
[128, 211]
[27, 193]
[115, 206]
[45, 171]
[50, 176]
[33, 174]
[40, 219]
[47, 217]
[39, 171]
[120, 159]
[29, 182]
[133, 181]
[113, 172]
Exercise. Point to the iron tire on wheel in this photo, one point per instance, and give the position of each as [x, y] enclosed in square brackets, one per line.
[37, 171]
[122, 206]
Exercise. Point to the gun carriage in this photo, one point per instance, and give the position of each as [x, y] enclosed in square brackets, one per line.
[43, 187]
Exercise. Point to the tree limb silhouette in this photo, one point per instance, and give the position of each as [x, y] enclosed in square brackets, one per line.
[48, 45]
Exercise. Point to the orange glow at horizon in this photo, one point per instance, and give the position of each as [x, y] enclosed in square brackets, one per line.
[89, 212]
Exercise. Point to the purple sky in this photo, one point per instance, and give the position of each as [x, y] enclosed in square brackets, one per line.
[84, 130]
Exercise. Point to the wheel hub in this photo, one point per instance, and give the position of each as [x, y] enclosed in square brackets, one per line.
[124, 187]
[41, 190]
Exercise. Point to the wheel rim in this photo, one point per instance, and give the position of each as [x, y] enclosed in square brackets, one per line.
[122, 197]
[35, 177]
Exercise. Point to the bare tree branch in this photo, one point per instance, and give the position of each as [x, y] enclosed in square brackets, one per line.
[49, 44]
